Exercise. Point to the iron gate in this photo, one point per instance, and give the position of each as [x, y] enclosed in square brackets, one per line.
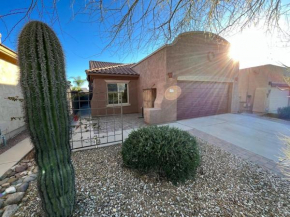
[94, 125]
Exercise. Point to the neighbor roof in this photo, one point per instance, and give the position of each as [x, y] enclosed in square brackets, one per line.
[7, 54]
[109, 68]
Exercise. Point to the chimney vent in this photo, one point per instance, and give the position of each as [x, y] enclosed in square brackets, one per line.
[0, 37]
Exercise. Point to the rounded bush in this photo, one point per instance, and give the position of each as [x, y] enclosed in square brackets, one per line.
[169, 151]
[284, 113]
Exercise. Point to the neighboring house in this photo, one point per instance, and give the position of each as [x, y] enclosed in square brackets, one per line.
[191, 77]
[9, 87]
[263, 88]
[84, 90]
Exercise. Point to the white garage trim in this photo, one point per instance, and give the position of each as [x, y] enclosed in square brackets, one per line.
[204, 78]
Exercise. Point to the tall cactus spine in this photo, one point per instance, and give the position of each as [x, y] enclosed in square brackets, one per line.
[43, 82]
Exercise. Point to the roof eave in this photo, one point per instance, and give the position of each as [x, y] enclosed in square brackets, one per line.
[278, 84]
[104, 74]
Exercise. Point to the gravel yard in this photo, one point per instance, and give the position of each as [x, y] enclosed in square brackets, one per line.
[224, 186]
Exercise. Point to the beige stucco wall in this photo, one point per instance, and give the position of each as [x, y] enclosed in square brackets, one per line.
[153, 74]
[99, 99]
[187, 59]
[252, 80]
[9, 87]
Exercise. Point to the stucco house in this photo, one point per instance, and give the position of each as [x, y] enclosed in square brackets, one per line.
[263, 88]
[9, 87]
[191, 77]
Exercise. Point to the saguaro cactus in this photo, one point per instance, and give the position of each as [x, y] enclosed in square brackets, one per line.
[43, 81]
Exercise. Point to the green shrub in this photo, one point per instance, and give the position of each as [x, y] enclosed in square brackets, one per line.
[169, 151]
[284, 113]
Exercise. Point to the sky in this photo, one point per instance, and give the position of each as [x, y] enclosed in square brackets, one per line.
[253, 47]
[82, 41]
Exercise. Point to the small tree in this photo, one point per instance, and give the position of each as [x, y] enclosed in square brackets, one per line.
[78, 81]
[44, 85]
[285, 162]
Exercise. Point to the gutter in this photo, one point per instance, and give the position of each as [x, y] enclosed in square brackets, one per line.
[109, 75]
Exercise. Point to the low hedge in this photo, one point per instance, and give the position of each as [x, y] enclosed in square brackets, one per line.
[171, 152]
[284, 113]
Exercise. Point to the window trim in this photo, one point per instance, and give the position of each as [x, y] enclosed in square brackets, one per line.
[118, 82]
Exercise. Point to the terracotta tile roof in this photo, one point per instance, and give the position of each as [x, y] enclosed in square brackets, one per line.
[99, 64]
[97, 67]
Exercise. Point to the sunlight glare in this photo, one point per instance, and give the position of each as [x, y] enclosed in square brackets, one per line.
[253, 47]
[234, 52]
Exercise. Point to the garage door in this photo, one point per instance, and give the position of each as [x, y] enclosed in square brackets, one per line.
[199, 99]
[278, 99]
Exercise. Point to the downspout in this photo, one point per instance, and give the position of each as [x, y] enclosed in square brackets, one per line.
[247, 98]
[3, 138]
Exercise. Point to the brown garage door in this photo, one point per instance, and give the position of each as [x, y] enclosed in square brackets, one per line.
[199, 99]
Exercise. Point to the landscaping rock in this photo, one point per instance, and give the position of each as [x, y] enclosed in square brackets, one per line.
[21, 168]
[1, 212]
[225, 185]
[3, 181]
[18, 181]
[35, 170]
[18, 175]
[10, 210]
[24, 199]
[14, 198]
[13, 179]
[1, 203]
[6, 185]
[10, 190]
[30, 178]
[9, 173]
[23, 187]
[3, 177]
[24, 173]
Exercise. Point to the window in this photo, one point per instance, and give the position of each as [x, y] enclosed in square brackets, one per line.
[117, 93]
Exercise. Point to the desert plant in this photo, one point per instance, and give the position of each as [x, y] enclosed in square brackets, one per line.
[43, 82]
[285, 161]
[284, 113]
[171, 152]
[78, 81]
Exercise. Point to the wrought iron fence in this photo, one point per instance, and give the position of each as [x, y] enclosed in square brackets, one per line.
[94, 125]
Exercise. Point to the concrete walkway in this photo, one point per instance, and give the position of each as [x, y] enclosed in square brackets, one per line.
[258, 135]
[252, 138]
[12, 156]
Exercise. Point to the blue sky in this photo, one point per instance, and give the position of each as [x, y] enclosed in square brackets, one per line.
[83, 41]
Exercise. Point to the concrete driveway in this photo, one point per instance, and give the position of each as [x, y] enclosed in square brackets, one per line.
[255, 134]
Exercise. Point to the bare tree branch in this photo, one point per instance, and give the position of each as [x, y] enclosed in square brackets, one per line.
[131, 24]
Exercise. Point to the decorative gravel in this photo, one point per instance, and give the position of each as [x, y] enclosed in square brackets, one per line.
[224, 186]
